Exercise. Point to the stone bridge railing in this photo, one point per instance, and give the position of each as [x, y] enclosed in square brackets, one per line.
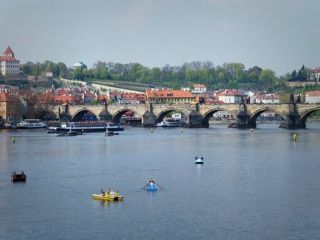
[295, 115]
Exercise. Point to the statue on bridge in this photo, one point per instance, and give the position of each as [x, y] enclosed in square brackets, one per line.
[291, 99]
[299, 99]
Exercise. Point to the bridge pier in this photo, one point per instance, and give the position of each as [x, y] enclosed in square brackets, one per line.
[293, 119]
[64, 116]
[105, 115]
[195, 120]
[148, 119]
[243, 121]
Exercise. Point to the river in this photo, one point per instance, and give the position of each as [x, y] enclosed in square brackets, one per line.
[253, 185]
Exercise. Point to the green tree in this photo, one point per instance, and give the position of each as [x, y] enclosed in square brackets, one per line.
[267, 78]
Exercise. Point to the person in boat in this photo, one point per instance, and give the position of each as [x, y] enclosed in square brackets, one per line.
[151, 183]
[103, 192]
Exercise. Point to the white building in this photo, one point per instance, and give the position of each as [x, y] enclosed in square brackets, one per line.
[268, 98]
[79, 65]
[199, 88]
[312, 97]
[9, 66]
[231, 96]
[315, 74]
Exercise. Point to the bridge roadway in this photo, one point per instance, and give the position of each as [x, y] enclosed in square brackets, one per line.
[295, 115]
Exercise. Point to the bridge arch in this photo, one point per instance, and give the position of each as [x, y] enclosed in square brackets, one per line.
[207, 115]
[304, 116]
[257, 113]
[84, 115]
[161, 115]
[117, 116]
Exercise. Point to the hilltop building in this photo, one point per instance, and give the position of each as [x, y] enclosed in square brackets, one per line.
[315, 74]
[9, 66]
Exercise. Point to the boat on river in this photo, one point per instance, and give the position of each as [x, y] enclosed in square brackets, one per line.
[198, 160]
[18, 177]
[110, 133]
[31, 123]
[69, 134]
[151, 186]
[108, 196]
[89, 126]
[170, 122]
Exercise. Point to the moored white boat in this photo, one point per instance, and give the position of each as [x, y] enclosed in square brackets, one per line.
[90, 126]
[170, 122]
[31, 123]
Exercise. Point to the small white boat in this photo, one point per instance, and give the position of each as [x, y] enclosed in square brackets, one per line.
[198, 160]
[170, 122]
[31, 123]
[110, 133]
[160, 124]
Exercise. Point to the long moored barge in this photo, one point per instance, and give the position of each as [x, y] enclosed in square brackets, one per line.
[96, 126]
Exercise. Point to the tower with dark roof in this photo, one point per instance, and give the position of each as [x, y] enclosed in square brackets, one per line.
[8, 52]
[9, 66]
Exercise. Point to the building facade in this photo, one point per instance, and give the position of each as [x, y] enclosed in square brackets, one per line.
[268, 98]
[231, 96]
[9, 107]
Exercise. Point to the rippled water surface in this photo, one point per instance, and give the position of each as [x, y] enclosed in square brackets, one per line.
[253, 185]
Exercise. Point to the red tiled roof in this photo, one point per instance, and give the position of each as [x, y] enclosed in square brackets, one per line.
[8, 58]
[8, 51]
[313, 93]
[168, 94]
[6, 97]
[232, 93]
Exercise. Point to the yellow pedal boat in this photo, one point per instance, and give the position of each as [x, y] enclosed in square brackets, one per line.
[112, 196]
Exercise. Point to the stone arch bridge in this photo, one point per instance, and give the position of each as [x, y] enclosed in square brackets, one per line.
[196, 115]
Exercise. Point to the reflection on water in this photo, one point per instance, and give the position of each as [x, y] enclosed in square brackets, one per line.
[253, 185]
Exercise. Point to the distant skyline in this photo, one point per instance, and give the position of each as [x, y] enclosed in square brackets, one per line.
[281, 35]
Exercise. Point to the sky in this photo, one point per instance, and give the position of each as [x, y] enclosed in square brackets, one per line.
[281, 35]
